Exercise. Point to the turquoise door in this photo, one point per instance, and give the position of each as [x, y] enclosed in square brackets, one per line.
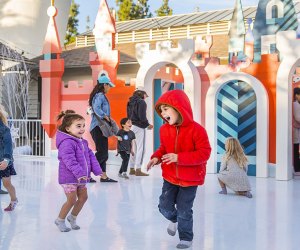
[160, 88]
[236, 117]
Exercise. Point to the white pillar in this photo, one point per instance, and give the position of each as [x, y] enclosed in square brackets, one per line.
[152, 60]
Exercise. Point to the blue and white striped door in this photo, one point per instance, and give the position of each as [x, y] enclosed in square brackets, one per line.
[236, 117]
[158, 91]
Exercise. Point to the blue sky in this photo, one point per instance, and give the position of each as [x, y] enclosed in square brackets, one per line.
[90, 7]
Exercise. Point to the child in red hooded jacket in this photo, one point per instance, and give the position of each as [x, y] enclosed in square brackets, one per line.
[183, 153]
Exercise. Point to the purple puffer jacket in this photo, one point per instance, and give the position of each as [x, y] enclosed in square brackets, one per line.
[75, 159]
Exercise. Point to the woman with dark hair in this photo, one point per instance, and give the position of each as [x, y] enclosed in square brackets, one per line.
[101, 110]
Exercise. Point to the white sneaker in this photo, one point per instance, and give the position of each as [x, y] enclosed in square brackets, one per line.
[125, 176]
[183, 244]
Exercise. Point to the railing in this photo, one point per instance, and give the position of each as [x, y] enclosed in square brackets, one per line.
[29, 137]
[84, 41]
[188, 31]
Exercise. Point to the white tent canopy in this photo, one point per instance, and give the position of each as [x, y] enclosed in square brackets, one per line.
[23, 24]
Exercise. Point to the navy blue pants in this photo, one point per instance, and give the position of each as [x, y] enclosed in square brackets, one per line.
[175, 204]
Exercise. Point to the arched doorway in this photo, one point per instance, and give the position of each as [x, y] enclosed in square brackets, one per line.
[289, 48]
[152, 60]
[236, 117]
[161, 86]
[253, 130]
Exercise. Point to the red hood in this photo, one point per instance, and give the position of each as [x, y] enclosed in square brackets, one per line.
[179, 101]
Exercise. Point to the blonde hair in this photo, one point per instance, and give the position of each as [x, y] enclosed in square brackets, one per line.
[235, 150]
[3, 115]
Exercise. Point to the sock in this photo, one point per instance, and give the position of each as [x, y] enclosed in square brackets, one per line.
[14, 202]
[60, 223]
[184, 244]
[72, 219]
[224, 191]
[172, 228]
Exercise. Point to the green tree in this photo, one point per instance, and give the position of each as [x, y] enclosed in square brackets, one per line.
[164, 9]
[129, 10]
[140, 10]
[72, 30]
[125, 8]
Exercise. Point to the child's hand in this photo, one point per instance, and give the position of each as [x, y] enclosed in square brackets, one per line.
[150, 127]
[119, 138]
[169, 158]
[82, 179]
[132, 153]
[151, 163]
[106, 118]
[3, 165]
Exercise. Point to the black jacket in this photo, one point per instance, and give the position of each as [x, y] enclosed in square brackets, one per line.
[136, 111]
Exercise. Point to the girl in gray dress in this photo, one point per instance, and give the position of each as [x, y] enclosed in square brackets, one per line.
[233, 171]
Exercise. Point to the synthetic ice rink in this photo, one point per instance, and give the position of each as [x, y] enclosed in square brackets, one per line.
[124, 216]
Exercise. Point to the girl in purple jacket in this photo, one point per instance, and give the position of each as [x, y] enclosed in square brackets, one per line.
[76, 162]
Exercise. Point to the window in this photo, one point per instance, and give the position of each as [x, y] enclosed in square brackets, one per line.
[274, 11]
[273, 49]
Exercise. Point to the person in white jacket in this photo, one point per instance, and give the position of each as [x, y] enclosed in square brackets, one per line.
[296, 130]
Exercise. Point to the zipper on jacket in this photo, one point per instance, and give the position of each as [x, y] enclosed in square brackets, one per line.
[177, 132]
[87, 167]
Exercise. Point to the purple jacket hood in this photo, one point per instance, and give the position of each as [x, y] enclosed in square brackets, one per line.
[61, 136]
[75, 159]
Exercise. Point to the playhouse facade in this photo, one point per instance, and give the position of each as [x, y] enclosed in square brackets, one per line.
[249, 98]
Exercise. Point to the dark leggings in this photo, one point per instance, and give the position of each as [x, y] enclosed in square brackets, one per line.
[125, 157]
[101, 143]
[296, 158]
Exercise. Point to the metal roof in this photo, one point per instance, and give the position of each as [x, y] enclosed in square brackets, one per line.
[184, 19]
[181, 20]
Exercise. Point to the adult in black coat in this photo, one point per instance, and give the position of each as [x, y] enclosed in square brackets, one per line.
[136, 112]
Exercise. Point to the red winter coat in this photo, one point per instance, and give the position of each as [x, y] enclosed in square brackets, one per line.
[189, 140]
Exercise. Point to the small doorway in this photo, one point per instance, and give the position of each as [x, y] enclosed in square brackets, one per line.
[160, 87]
[236, 117]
